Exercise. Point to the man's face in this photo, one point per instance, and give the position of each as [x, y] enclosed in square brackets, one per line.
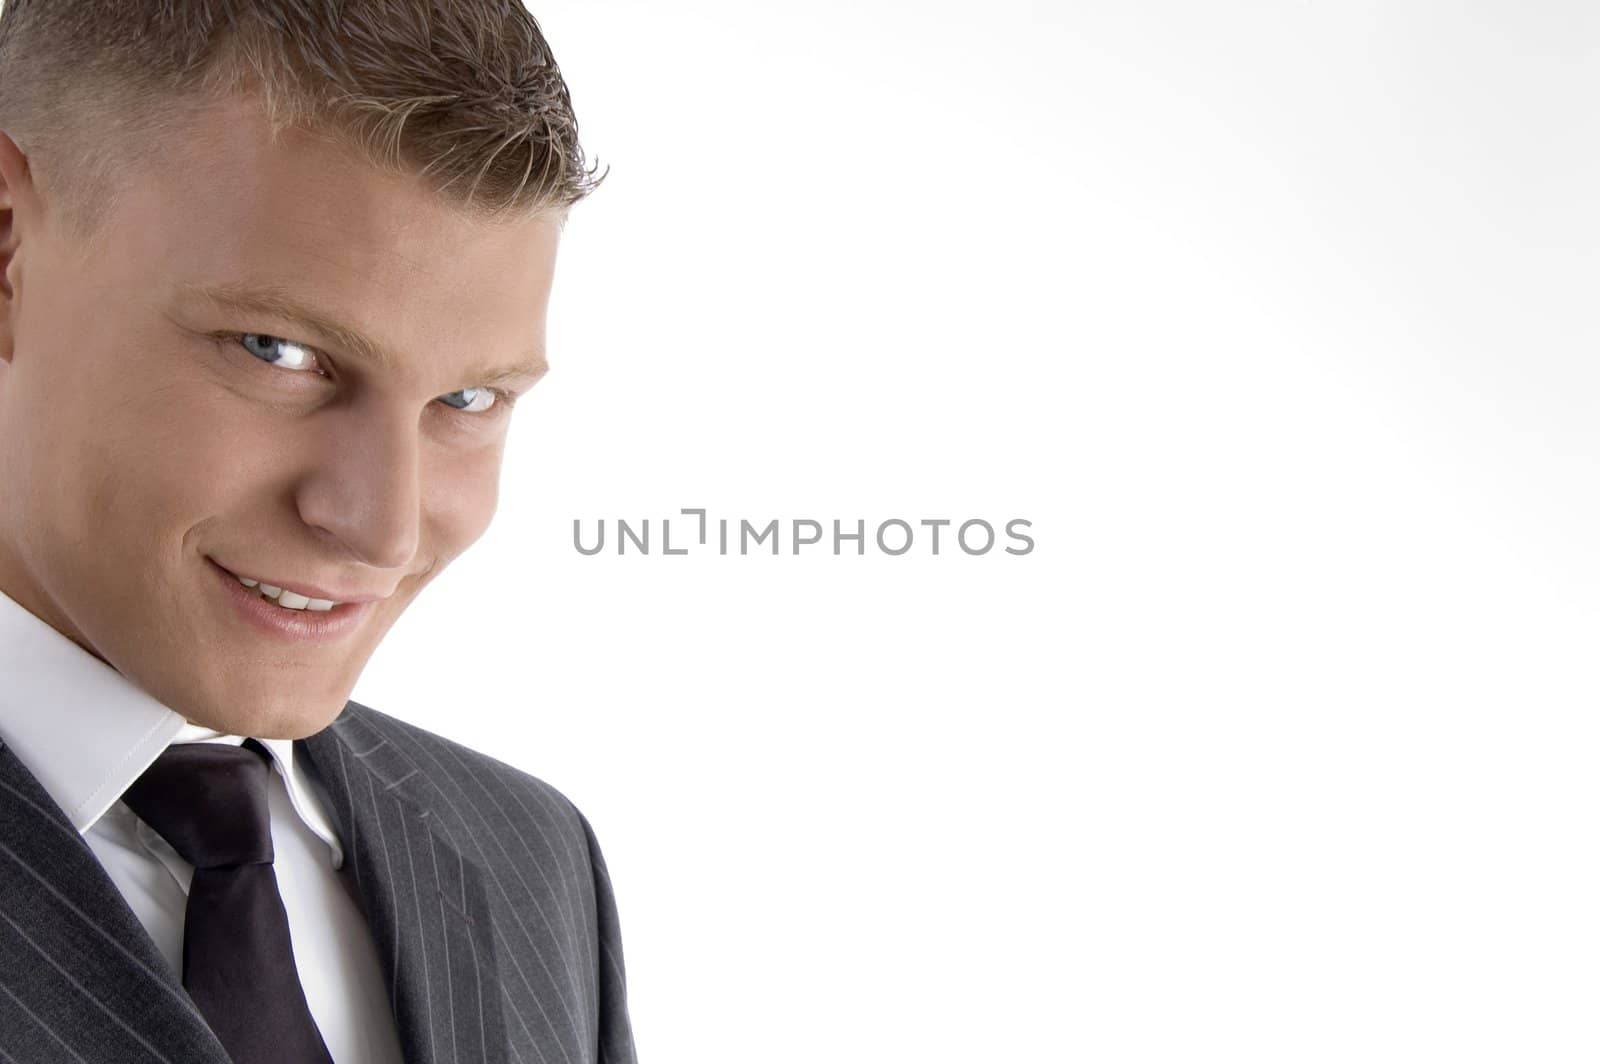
[143, 451]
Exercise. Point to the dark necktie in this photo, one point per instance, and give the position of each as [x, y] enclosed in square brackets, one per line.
[209, 800]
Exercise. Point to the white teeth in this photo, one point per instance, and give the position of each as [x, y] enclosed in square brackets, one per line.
[288, 599]
[293, 601]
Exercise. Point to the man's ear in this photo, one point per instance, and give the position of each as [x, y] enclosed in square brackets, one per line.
[16, 186]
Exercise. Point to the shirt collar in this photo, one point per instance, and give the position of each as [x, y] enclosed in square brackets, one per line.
[86, 732]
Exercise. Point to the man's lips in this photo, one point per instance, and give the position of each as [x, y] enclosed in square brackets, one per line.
[299, 625]
[310, 591]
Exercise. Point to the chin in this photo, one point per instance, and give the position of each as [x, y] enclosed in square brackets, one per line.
[273, 697]
[285, 726]
[297, 720]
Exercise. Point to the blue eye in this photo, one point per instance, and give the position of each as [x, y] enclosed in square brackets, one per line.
[264, 347]
[478, 399]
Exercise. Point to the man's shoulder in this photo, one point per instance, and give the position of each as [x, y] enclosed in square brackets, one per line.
[455, 783]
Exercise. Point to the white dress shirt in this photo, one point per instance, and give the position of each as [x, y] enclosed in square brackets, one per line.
[86, 733]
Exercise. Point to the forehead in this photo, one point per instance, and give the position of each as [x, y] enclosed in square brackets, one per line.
[307, 216]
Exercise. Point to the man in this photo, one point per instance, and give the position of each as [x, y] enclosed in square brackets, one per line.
[272, 275]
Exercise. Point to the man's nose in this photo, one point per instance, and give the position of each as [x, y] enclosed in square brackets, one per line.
[365, 488]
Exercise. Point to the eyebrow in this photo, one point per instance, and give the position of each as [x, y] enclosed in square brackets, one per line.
[273, 301]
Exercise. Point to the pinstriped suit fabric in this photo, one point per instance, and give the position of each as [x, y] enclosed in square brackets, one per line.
[484, 888]
[80, 979]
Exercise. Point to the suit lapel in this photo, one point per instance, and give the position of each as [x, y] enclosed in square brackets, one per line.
[424, 902]
[79, 976]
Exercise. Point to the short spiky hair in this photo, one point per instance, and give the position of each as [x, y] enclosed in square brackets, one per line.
[464, 93]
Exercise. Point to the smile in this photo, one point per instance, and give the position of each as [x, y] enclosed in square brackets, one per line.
[297, 614]
[288, 599]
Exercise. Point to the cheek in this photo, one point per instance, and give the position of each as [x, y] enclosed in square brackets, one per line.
[111, 465]
[459, 500]
[172, 457]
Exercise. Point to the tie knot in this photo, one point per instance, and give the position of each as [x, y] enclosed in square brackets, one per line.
[209, 800]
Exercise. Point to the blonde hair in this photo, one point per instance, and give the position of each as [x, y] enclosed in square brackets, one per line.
[463, 93]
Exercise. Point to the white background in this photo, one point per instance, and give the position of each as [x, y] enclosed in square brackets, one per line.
[1278, 322]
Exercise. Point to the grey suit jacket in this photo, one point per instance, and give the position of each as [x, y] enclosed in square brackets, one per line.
[484, 888]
